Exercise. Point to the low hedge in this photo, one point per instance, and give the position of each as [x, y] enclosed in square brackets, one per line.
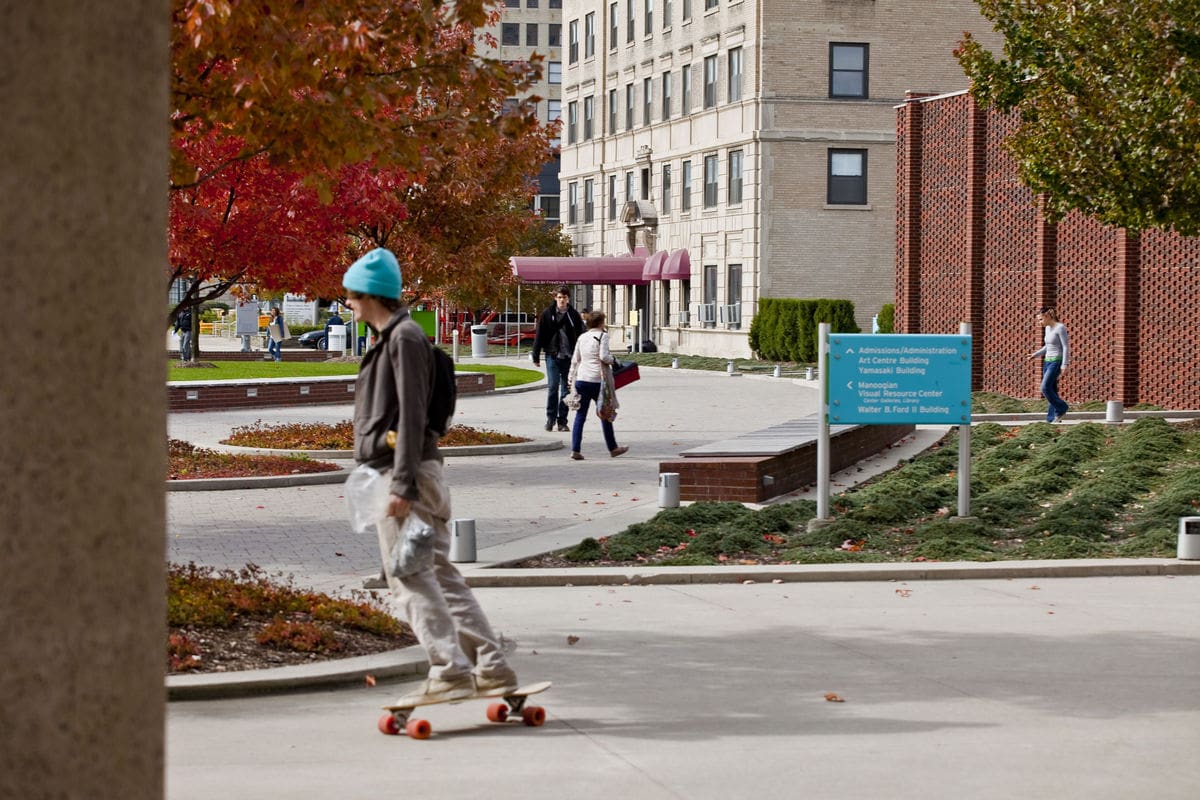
[785, 329]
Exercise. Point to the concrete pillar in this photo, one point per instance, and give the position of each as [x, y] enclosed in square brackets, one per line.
[83, 142]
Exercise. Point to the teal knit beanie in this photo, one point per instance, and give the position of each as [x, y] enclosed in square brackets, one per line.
[376, 273]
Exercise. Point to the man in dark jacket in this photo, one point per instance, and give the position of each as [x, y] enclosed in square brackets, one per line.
[557, 329]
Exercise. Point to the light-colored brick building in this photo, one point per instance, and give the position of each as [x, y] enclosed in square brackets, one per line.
[527, 27]
[763, 131]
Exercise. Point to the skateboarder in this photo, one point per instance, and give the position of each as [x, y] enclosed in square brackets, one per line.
[392, 393]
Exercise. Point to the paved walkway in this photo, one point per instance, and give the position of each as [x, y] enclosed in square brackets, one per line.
[1036, 687]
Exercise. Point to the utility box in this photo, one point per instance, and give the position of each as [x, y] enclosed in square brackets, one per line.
[336, 340]
[1189, 538]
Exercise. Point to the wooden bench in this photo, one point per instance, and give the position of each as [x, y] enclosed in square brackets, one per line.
[763, 464]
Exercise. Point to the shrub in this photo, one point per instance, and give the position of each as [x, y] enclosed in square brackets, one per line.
[305, 637]
[786, 329]
[887, 318]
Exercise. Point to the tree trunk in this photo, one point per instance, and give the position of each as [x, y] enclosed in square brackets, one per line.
[195, 334]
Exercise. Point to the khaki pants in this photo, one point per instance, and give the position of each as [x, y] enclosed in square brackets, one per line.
[437, 603]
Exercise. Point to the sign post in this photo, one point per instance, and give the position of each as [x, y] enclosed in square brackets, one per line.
[894, 379]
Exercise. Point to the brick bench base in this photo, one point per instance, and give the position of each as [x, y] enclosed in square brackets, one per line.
[753, 479]
[222, 395]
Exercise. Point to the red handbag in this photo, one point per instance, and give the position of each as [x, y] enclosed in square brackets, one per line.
[625, 373]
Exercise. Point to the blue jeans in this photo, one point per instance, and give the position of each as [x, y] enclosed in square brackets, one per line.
[557, 370]
[275, 348]
[589, 392]
[1050, 372]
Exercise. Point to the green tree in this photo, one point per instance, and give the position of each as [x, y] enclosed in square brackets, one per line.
[1108, 97]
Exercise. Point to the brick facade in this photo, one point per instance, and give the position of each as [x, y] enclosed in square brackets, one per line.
[972, 245]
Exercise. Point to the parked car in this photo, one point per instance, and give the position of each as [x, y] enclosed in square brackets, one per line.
[314, 339]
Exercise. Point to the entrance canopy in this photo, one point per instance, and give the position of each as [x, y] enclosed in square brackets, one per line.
[637, 269]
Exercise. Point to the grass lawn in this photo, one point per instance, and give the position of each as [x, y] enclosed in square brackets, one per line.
[249, 370]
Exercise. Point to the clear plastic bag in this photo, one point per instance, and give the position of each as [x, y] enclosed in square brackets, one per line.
[413, 548]
[367, 491]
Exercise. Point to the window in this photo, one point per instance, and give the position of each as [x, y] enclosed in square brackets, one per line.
[510, 105]
[645, 183]
[612, 197]
[572, 41]
[554, 113]
[554, 4]
[612, 110]
[572, 119]
[531, 34]
[685, 197]
[630, 20]
[647, 96]
[665, 294]
[572, 203]
[549, 205]
[531, 3]
[685, 300]
[629, 195]
[847, 177]
[709, 5]
[589, 115]
[589, 187]
[735, 74]
[629, 106]
[733, 296]
[649, 24]
[685, 91]
[510, 34]
[554, 34]
[735, 178]
[710, 81]
[614, 26]
[687, 10]
[710, 180]
[848, 70]
[710, 295]
[666, 95]
[512, 3]
[667, 14]
[665, 206]
[589, 35]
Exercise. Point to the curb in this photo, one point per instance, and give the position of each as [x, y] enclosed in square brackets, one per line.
[214, 685]
[268, 482]
[535, 446]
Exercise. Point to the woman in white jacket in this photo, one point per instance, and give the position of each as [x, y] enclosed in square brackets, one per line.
[591, 375]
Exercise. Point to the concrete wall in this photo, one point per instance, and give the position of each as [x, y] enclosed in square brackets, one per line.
[83, 142]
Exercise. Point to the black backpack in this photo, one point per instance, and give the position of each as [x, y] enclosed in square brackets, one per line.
[443, 392]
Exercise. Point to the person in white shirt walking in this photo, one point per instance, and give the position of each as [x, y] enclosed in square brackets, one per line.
[591, 374]
[1054, 363]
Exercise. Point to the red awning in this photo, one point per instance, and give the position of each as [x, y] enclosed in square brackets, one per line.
[603, 270]
[678, 267]
[654, 265]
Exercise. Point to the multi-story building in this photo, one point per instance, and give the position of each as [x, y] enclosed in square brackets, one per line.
[527, 27]
[760, 133]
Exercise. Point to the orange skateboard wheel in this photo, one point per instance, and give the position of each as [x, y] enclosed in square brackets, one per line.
[418, 729]
[534, 716]
[497, 712]
[389, 725]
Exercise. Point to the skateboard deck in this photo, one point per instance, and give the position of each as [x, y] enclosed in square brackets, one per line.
[399, 718]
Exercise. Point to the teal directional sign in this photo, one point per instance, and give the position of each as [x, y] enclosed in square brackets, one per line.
[884, 379]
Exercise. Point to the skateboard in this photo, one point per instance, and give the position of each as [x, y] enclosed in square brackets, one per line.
[399, 718]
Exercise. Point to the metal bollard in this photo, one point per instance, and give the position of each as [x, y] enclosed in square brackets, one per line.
[778, 371]
[729, 367]
[668, 490]
[674, 363]
[454, 346]
[462, 541]
[808, 373]
[1114, 412]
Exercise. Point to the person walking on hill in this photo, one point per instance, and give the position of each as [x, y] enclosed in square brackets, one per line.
[591, 376]
[1054, 363]
[558, 329]
[392, 394]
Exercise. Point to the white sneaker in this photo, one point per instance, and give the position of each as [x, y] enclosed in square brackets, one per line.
[435, 690]
[496, 685]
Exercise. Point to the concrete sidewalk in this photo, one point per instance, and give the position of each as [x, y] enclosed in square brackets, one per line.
[1058, 688]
